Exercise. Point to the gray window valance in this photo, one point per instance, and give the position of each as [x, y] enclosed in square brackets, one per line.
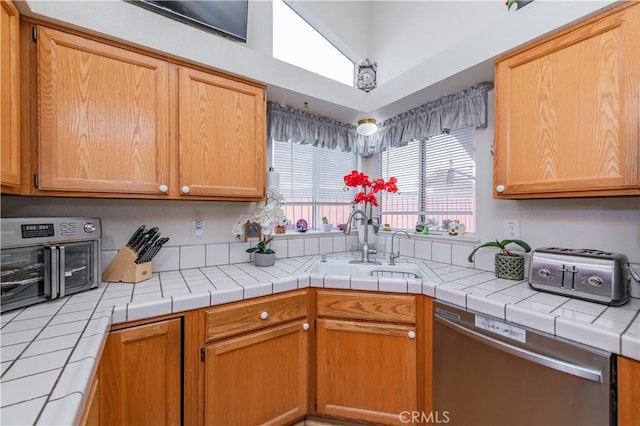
[467, 108]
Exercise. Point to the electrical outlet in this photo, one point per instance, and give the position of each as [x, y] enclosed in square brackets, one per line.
[512, 229]
[197, 228]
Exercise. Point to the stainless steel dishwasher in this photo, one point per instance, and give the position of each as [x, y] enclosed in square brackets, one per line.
[490, 372]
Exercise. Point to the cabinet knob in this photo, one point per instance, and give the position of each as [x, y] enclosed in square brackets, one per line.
[500, 188]
[305, 326]
[412, 334]
[264, 315]
[163, 188]
[185, 189]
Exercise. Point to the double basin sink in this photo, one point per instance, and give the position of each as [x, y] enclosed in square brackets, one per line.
[344, 267]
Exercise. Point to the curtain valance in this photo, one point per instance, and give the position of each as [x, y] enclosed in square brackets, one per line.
[292, 125]
[467, 108]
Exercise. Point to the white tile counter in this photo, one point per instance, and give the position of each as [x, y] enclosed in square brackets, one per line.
[50, 351]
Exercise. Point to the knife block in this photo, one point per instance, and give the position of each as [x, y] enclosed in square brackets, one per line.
[123, 268]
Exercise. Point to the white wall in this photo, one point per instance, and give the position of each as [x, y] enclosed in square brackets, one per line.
[121, 217]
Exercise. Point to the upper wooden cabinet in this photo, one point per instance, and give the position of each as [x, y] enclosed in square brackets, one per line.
[567, 121]
[222, 122]
[103, 117]
[116, 122]
[9, 97]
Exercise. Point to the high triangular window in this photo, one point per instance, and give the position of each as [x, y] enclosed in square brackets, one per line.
[298, 43]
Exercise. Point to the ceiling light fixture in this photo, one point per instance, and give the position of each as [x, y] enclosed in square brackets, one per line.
[367, 126]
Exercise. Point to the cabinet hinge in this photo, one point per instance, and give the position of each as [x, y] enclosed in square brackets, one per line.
[315, 324]
[315, 404]
[35, 180]
[202, 354]
[34, 33]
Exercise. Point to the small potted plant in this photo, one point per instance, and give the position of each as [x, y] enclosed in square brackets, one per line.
[326, 226]
[263, 255]
[509, 265]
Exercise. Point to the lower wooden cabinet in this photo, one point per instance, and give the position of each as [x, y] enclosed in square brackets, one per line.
[140, 376]
[258, 378]
[628, 392]
[91, 415]
[367, 369]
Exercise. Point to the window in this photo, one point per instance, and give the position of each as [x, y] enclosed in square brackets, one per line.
[436, 182]
[298, 43]
[312, 182]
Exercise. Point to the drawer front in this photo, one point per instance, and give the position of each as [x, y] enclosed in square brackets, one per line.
[367, 306]
[238, 318]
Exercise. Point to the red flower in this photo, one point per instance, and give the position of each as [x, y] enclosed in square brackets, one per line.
[355, 179]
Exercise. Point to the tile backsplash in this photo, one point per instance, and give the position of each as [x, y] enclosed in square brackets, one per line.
[201, 255]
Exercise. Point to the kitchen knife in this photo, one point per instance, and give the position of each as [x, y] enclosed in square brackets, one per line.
[146, 239]
[137, 240]
[147, 247]
[152, 234]
[150, 254]
[143, 252]
[135, 236]
[141, 242]
[157, 247]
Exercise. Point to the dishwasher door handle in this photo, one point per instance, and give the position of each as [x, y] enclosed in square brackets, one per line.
[575, 370]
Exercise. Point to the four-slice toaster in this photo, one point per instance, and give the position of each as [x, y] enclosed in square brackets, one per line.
[594, 275]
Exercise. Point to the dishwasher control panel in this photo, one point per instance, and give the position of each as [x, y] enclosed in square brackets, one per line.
[501, 328]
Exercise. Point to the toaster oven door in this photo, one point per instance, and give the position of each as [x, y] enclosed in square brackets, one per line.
[79, 266]
[28, 275]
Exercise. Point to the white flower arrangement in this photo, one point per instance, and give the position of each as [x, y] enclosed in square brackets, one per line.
[268, 215]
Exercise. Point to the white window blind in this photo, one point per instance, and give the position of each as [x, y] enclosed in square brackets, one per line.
[311, 181]
[436, 182]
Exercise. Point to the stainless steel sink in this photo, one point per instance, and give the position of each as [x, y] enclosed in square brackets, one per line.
[343, 267]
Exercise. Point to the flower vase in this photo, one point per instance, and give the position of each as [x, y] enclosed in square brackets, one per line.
[371, 237]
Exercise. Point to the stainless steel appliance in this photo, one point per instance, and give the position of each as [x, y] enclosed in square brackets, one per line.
[490, 372]
[594, 275]
[46, 258]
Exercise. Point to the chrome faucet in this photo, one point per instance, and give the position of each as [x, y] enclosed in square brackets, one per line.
[393, 257]
[365, 245]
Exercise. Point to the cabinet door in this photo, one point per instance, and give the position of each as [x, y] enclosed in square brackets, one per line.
[9, 95]
[222, 137]
[259, 378]
[628, 391]
[91, 415]
[568, 113]
[141, 375]
[366, 371]
[103, 117]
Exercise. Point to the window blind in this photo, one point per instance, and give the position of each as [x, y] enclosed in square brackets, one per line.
[436, 182]
[311, 181]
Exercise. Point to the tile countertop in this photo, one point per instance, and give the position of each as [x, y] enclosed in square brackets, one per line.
[50, 352]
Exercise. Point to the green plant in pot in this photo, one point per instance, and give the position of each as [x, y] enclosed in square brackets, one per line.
[263, 254]
[509, 265]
